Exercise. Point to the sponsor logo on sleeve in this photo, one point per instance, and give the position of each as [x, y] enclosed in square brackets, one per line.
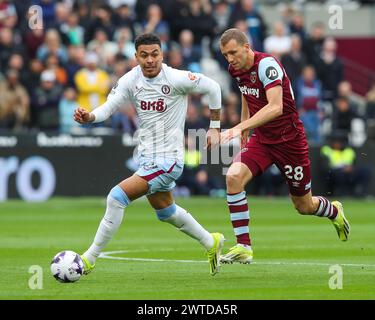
[272, 73]
[192, 76]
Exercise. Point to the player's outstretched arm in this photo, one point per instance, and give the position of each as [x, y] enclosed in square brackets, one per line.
[271, 111]
[82, 116]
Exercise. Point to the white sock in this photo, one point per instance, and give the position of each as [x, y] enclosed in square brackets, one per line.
[185, 222]
[108, 225]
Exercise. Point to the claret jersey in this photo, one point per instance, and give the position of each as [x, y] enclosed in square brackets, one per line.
[161, 104]
[266, 73]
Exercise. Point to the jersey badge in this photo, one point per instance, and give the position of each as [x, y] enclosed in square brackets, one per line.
[253, 76]
[165, 89]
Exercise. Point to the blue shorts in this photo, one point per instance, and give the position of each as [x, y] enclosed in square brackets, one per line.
[160, 173]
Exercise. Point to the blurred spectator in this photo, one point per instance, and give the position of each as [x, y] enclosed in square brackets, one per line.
[193, 119]
[370, 112]
[370, 106]
[199, 20]
[17, 62]
[294, 62]
[8, 14]
[356, 102]
[8, 46]
[73, 32]
[191, 53]
[105, 49]
[76, 61]
[346, 178]
[175, 59]
[330, 69]
[92, 83]
[36, 68]
[34, 38]
[242, 26]
[230, 113]
[52, 45]
[279, 43]
[221, 14]
[309, 95]
[125, 43]
[102, 20]
[342, 117]
[141, 8]
[195, 177]
[123, 18]
[67, 105]
[45, 102]
[22, 8]
[52, 63]
[48, 9]
[245, 10]
[154, 23]
[313, 44]
[84, 17]
[297, 26]
[62, 14]
[14, 103]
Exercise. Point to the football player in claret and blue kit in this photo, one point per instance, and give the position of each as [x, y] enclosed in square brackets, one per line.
[268, 107]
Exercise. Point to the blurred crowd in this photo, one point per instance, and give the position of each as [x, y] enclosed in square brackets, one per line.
[83, 47]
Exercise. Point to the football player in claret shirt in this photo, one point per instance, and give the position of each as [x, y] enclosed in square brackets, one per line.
[278, 137]
[159, 94]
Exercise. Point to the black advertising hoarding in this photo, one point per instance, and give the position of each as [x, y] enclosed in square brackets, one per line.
[36, 167]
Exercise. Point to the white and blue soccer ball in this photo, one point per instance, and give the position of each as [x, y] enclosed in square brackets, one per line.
[67, 266]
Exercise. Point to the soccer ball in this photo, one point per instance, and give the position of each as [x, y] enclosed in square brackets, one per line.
[67, 266]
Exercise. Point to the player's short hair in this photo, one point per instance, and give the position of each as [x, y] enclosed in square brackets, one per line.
[235, 34]
[146, 39]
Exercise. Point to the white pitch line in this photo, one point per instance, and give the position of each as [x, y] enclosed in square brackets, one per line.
[108, 255]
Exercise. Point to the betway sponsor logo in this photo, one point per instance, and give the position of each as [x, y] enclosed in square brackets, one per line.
[8, 141]
[65, 140]
[249, 91]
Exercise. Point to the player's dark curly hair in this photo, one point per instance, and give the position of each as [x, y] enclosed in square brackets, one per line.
[147, 39]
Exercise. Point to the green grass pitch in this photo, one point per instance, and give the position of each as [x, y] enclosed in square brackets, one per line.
[293, 253]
